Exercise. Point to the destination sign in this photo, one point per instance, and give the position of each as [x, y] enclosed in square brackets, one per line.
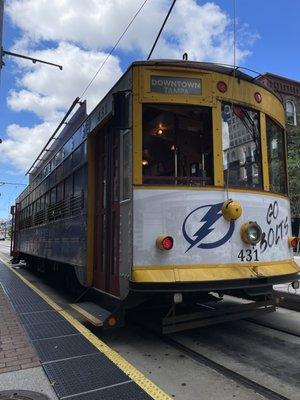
[175, 85]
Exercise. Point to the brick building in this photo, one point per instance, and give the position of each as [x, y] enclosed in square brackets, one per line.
[289, 92]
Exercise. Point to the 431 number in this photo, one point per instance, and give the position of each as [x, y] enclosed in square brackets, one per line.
[248, 255]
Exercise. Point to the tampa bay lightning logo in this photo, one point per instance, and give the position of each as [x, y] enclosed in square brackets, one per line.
[212, 215]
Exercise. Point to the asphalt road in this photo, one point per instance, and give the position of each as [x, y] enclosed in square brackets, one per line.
[261, 353]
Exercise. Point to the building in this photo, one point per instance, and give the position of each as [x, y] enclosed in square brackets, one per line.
[289, 92]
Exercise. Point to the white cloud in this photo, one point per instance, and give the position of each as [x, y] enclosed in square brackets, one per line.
[78, 34]
[205, 33]
[24, 143]
[48, 90]
[90, 23]
[202, 30]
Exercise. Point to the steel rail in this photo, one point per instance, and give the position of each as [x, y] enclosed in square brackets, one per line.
[265, 325]
[228, 373]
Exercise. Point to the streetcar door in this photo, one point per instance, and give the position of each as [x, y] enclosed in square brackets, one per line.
[106, 246]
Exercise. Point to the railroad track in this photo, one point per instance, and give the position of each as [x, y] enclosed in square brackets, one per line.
[266, 325]
[228, 373]
[291, 302]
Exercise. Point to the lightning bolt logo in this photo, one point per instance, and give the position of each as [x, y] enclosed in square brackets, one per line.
[213, 214]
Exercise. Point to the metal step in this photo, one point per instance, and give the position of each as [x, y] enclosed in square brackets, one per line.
[92, 312]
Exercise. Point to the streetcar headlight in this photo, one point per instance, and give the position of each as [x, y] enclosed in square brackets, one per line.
[251, 232]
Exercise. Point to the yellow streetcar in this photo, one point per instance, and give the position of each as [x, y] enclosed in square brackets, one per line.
[174, 187]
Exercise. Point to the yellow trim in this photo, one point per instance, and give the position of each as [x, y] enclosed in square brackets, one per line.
[148, 386]
[243, 90]
[264, 152]
[217, 145]
[90, 209]
[137, 128]
[93, 320]
[208, 188]
[211, 97]
[211, 272]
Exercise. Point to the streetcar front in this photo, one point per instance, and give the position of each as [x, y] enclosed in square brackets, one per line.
[210, 196]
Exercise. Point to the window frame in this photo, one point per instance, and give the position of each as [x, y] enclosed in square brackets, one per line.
[291, 114]
[180, 181]
[284, 152]
[237, 145]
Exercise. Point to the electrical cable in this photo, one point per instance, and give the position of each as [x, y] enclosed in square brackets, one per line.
[113, 48]
[232, 102]
[161, 29]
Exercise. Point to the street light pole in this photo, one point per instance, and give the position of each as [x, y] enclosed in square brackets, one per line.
[9, 53]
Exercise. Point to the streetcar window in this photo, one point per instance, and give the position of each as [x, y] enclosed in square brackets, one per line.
[177, 145]
[68, 187]
[77, 156]
[276, 157]
[241, 146]
[53, 196]
[60, 191]
[79, 181]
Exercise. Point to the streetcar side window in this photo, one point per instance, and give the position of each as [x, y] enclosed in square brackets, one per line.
[276, 157]
[177, 145]
[241, 146]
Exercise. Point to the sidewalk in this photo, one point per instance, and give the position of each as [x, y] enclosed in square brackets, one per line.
[19, 365]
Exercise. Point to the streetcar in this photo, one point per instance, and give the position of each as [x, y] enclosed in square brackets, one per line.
[172, 189]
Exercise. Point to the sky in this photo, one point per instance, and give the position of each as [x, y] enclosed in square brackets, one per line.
[79, 34]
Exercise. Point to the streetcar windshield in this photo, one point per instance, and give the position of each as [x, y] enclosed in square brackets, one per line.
[241, 146]
[276, 157]
[177, 145]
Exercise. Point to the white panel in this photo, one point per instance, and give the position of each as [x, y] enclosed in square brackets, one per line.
[201, 234]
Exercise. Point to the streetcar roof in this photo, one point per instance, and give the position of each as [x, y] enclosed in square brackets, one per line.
[226, 69]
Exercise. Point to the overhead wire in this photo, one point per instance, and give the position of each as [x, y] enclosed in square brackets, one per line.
[113, 48]
[233, 90]
[161, 29]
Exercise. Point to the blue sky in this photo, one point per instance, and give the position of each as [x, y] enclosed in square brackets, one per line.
[33, 98]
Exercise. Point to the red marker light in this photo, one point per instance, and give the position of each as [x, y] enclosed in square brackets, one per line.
[222, 87]
[167, 243]
[164, 242]
[112, 321]
[258, 97]
[293, 242]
